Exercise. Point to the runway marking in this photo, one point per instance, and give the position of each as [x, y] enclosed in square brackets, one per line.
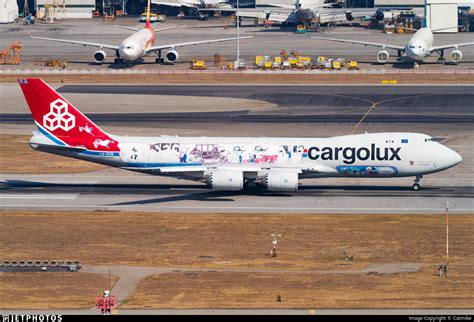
[39, 196]
[54, 181]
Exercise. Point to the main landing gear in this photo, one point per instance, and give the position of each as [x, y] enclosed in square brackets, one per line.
[441, 59]
[159, 60]
[417, 185]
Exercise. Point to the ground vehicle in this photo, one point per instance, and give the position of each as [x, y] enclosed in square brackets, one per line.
[154, 16]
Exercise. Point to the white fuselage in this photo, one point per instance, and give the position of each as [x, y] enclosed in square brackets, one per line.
[420, 44]
[362, 155]
[136, 45]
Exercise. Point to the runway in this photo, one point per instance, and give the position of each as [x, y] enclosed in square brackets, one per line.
[118, 191]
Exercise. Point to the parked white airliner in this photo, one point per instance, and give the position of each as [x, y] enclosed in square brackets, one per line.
[139, 44]
[417, 49]
[227, 163]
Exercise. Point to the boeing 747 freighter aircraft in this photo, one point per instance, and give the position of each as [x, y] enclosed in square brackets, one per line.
[227, 163]
[139, 44]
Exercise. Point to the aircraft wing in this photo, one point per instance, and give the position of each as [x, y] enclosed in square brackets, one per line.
[373, 44]
[169, 28]
[452, 46]
[193, 43]
[275, 14]
[156, 30]
[170, 4]
[128, 28]
[84, 43]
[175, 169]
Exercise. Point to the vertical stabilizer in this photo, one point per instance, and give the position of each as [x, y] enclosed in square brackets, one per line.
[60, 121]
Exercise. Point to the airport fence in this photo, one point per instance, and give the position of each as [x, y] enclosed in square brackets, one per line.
[218, 71]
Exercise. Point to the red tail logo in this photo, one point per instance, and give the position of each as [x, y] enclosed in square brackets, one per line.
[59, 117]
[60, 121]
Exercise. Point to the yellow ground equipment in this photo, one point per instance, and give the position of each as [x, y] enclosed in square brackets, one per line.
[11, 55]
[301, 29]
[198, 64]
[336, 65]
[305, 60]
[57, 63]
[352, 65]
[388, 29]
[268, 64]
[259, 61]
[293, 61]
[277, 62]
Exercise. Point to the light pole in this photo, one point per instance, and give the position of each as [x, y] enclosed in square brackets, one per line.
[237, 18]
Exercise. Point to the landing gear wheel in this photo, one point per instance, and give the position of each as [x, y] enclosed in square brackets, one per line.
[441, 60]
[160, 60]
[416, 187]
[116, 61]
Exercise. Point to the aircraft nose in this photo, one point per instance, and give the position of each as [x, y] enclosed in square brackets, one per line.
[452, 158]
[455, 157]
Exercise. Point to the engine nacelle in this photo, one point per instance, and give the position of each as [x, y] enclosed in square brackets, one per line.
[379, 15]
[349, 16]
[280, 180]
[100, 56]
[383, 56]
[455, 56]
[172, 56]
[226, 180]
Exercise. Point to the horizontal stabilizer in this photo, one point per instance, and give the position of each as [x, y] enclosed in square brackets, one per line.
[61, 147]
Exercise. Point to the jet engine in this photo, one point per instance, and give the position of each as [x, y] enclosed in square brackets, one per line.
[172, 56]
[349, 16]
[455, 56]
[383, 56]
[379, 15]
[99, 56]
[226, 180]
[276, 180]
[305, 15]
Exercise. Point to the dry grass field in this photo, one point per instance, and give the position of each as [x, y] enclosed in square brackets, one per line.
[234, 240]
[423, 289]
[44, 290]
[251, 78]
[16, 156]
[242, 241]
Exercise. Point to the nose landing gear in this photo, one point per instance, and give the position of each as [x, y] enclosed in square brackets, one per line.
[417, 185]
